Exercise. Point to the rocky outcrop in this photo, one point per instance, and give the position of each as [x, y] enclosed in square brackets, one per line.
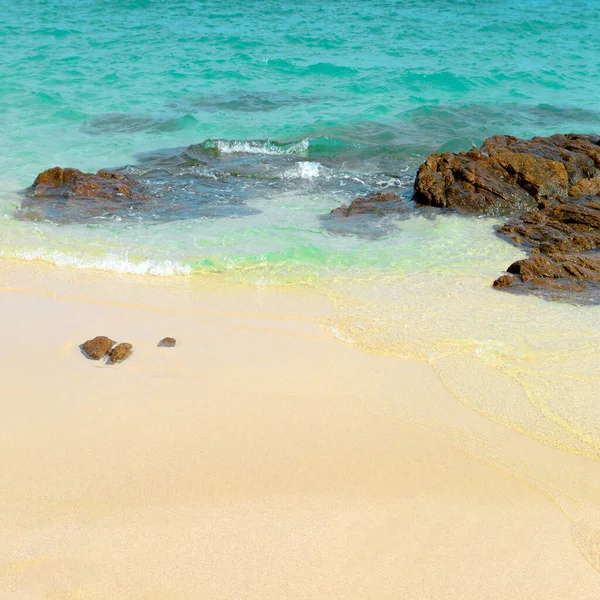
[97, 348]
[556, 180]
[375, 203]
[509, 175]
[574, 277]
[58, 193]
[564, 242]
[568, 227]
[120, 353]
[73, 184]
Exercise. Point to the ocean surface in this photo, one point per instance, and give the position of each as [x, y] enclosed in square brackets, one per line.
[251, 121]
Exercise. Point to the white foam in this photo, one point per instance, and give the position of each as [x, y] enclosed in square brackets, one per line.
[109, 262]
[259, 147]
[303, 170]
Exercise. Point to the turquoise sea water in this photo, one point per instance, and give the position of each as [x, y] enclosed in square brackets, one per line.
[359, 92]
[356, 93]
[251, 120]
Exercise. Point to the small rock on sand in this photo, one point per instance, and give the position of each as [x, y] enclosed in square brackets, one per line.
[120, 352]
[167, 342]
[97, 348]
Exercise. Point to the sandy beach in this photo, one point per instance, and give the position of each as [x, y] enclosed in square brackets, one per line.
[251, 461]
[373, 229]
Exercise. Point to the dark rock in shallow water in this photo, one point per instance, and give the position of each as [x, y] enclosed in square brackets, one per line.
[72, 184]
[504, 281]
[377, 203]
[568, 227]
[167, 342]
[555, 179]
[509, 174]
[570, 277]
[371, 217]
[565, 243]
[120, 352]
[97, 348]
[70, 194]
[580, 267]
[154, 191]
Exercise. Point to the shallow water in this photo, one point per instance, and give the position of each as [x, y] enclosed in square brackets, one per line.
[250, 121]
[345, 96]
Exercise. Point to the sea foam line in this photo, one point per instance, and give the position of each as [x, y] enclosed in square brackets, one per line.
[110, 262]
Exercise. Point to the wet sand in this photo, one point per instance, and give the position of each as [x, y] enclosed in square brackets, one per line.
[251, 461]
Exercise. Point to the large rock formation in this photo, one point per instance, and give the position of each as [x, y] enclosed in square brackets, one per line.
[556, 180]
[509, 174]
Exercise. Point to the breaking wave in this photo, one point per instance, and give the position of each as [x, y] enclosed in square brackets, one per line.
[255, 146]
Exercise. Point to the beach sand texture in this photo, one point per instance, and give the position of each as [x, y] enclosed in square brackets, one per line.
[352, 411]
[253, 460]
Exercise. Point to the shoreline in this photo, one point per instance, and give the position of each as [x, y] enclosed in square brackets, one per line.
[260, 457]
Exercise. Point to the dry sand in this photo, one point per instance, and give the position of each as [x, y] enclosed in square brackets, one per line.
[249, 462]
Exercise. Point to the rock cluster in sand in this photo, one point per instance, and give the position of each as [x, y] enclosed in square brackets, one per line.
[102, 346]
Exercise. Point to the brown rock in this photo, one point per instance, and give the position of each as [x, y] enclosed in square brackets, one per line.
[378, 203]
[568, 277]
[505, 281]
[71, 195]
[568, 227]
[471, 182]
[580, 154]
[56, 178]
[509, 174]
[167, 342]
[581, 267]
[72, 183]
[120, 352]
[97, 348]
[585, 187]
[563, 241]
[556, 180]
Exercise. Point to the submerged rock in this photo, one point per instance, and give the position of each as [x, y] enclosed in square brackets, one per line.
[509, 174]
[370, 217]
[167, 342]
[58, 192]
[120, 352]
[375, 203]
[98, 347]
[72, 184]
